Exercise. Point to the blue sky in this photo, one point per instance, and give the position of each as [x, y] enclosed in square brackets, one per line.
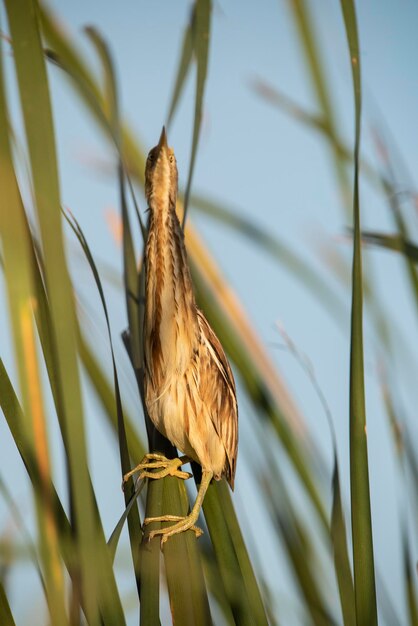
[273, 170]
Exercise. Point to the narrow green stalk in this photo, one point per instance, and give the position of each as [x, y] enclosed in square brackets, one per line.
[364, 574]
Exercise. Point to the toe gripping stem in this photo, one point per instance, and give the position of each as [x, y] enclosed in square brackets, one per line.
[165, 467]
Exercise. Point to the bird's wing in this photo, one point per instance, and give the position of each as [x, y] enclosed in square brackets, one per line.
[223, 401]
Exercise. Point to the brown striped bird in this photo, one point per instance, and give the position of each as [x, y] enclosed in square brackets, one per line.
[189, 386]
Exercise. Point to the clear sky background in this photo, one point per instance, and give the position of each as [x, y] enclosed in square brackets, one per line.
[276, 171]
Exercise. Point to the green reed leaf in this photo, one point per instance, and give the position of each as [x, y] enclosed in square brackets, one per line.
[201, 39]
[364, 574]
[184, 64]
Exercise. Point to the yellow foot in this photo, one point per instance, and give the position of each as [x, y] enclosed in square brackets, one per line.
[167, 467]
[183, 524]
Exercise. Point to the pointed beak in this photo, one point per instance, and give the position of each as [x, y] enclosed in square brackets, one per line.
[163, 140]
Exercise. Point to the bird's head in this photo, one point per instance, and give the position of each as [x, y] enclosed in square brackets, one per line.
[161, 175]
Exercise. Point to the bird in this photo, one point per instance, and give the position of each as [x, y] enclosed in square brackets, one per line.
[189, 387]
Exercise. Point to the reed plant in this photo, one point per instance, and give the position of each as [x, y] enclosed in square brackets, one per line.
[219, 578]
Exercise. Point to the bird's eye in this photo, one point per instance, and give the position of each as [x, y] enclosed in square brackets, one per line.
[171, 158]
[151, 157]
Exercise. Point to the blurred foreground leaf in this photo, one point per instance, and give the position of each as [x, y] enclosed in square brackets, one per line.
[19, 280]
[395, 243]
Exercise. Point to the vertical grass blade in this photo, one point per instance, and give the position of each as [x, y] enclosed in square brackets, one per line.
[184, 65]
[201, 47]
[364, 574]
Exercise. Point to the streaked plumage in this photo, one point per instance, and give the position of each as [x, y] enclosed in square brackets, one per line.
[189, 386]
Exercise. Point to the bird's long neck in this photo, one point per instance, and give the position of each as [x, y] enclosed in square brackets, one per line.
[171, 325]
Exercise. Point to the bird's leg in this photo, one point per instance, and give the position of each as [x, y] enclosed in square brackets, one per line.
[154, 461]
[183, 523]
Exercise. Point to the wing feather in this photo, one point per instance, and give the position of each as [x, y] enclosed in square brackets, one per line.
[221, 397]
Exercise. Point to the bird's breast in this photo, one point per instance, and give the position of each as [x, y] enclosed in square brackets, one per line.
[170, 325]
